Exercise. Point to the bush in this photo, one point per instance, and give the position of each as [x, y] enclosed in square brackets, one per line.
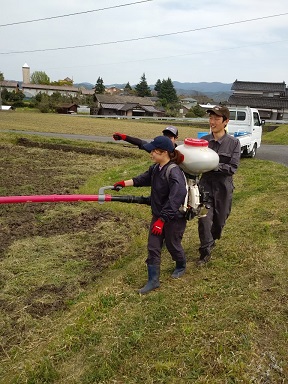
[43, 106]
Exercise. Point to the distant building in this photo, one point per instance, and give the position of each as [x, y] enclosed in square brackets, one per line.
[87, 92]
[186, 104]
[9, 85]
[31, 90]
[271, 99]
[83, 109]
[26, 73]
[67, 80]
[67, 108]
[125, 106]
[113, 91]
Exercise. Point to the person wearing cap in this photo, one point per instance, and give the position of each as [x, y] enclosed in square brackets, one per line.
[168, 193]
[218, 182]
[170, 131]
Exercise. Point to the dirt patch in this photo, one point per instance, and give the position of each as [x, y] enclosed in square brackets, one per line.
[71, 148]
[97, 237]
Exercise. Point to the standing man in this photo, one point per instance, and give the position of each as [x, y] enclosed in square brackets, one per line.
[219, 182]
[170, 131]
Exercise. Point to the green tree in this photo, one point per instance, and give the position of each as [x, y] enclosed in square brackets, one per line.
[128, 87]
[196, 111]
[14, 98]
[142, 89]
[1, 76]
[39, 77]
[17, 98]
[167, 92]
[43, 105]
[38, 97]
[128, 90]
[199, 112]
[99, 86]
[5, 94]
[157, 86]
[56, 97]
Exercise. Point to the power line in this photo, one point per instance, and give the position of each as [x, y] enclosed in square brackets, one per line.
[175, 56]
[73, 14]
[146, 37]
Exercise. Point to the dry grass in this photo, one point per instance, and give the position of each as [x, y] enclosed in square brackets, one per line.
[86, 125]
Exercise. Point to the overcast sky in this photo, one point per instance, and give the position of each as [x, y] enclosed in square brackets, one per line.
[201, 40]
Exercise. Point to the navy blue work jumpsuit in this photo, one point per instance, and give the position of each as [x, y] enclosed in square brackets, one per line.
[167, 196]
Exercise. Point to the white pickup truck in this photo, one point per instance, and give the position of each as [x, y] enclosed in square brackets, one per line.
[246, 125]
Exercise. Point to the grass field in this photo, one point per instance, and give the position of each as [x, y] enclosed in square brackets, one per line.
[69, 275]
[86, 125]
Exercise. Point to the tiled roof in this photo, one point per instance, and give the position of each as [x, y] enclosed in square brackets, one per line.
[117, 99]
[258, 86]
[9, 84]
[112, 106]
[87, 91]
[67, 105]
[259, 102]
[149, 108]
[129, 106]
[50, 87]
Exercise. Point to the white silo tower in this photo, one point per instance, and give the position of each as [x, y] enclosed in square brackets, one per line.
[26, 73]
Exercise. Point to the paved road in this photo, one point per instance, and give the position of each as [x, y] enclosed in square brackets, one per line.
[277, 153]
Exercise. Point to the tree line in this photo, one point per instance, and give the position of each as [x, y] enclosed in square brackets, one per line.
[163, 91]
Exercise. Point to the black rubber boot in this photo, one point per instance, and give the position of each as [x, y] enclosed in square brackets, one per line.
[203, 260]
[179, 270]
[153, 279]
[205, 255]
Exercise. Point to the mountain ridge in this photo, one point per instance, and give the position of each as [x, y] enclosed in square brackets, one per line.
[215, 90]
[185, 86]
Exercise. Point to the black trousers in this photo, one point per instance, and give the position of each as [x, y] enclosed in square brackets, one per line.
[172, 234]
[210, 227]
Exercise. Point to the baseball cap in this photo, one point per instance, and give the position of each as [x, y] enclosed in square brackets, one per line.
[160, 142]
[170, 129]
[220, 110]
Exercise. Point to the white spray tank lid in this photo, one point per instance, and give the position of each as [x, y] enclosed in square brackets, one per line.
[198, 158]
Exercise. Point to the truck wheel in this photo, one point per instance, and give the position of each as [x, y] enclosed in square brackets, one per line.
[253, 152]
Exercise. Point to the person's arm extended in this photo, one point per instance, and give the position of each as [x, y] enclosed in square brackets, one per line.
[122, 184]
[130, 139]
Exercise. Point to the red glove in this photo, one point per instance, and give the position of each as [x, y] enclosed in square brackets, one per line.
[157, 227]
[119, 185]
[119, 136]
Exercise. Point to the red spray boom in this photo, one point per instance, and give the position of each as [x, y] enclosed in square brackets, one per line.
[101, 198]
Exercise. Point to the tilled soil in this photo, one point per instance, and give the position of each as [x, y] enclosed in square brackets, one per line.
[29, 169]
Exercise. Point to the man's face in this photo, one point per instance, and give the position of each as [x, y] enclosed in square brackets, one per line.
[217, 123]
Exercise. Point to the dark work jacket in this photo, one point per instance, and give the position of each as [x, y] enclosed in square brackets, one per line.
[229, 151]
[140, 143]
[167, 196]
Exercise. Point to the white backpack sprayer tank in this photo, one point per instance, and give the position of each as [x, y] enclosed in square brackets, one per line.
[198, 158]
